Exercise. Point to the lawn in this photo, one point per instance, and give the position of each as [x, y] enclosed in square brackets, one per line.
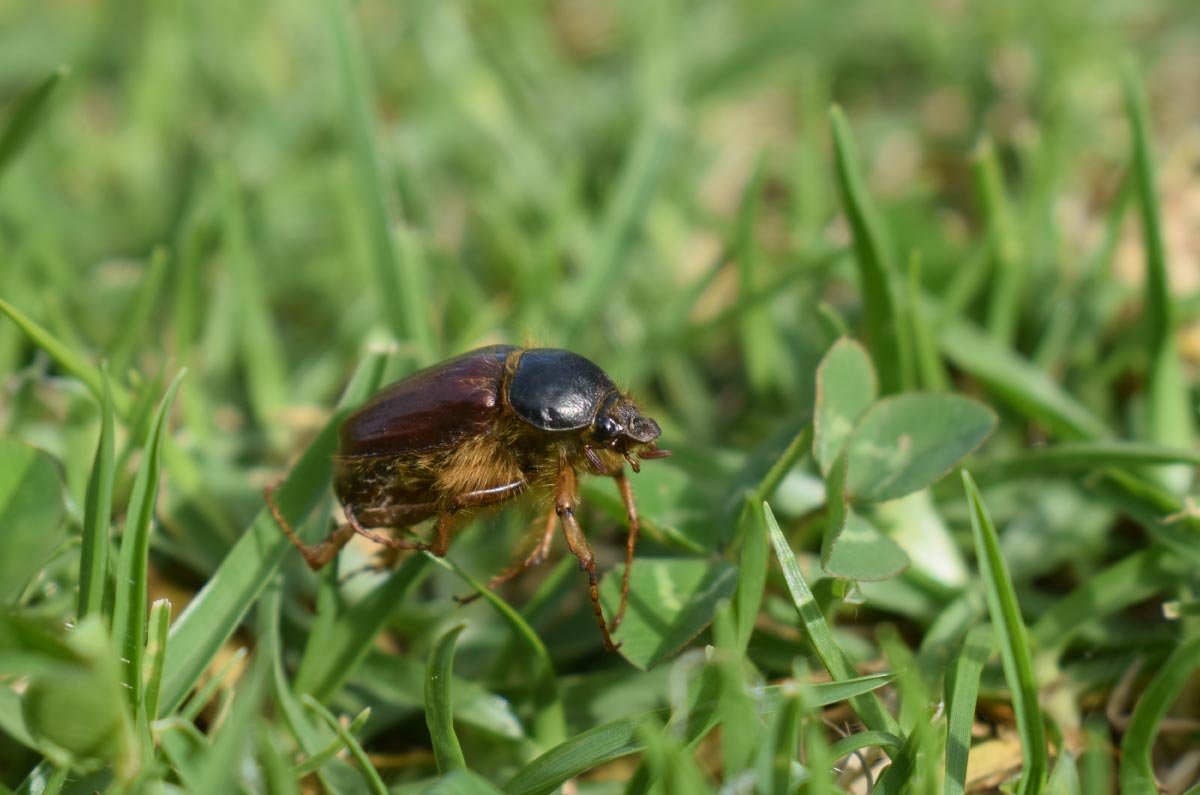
[912, 288]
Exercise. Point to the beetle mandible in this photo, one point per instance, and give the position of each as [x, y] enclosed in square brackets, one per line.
[481, 429]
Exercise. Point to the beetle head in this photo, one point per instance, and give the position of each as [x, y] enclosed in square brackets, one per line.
[621, 427]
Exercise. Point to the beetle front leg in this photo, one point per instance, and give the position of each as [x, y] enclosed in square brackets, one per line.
[630, 542]
[566, 495]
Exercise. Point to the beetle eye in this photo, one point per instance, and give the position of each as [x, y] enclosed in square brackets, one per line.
[606, 428]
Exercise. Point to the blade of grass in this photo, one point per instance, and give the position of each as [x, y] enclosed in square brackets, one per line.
[439, 703]
[400, 269]
[26, 114]
[930, 373]
[156, 653]
[962, 690]
[631, 196]
[549, 723]
[1018, 382]
[619, 738]
[331, 656]
[869, 708]
[137, 316]
[868, 739]
[213, 615]
[1168, 408]
[221, 762]
[129, 606]
[1008, 263]
[1137, 767]
[67, 359]
[317, 760]
[97, 513]
[1133, 579]
[369, 773]
[1078, 458]
[752, 570]
[1013, 640]
[886, 332]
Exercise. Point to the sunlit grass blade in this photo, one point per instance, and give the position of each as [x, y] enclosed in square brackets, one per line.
[741, 731]
[752, 570]
[930, 372]
[335, 747]
[623, 215]
[334, 654]
[213, 615]
[97, 513]
[220, 764]
[369, 773]
[69, 360]
[886, 331]
[156, 653]
[439, 703]
[1137, 769]
[549, 723]
[1168, 405]
[619, 738]
[1004, 244]
[137, 316]
[400, 269]
[962, 690]
[260, 350]
[1019, 382]
[26, 114]
[129, 605]
[1131, 580]
[1013, 639]
[869, 708]
[861, 740]
[1078, 458]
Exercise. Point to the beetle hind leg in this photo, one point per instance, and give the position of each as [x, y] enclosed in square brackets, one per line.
[315, 555]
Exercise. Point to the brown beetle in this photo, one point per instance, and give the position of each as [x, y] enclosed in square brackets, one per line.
[478, 430]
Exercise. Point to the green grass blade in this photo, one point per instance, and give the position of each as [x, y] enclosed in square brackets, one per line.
[369, 773]
[1137, 769]
[800, 445]
[402, 281]
[136, 318]
[752, 570]
[192, 708]
[1019, 382]
[260, 351]
[1078, 458]
[868, 739]
[439, 703]
[343, 643]
[623, 216]
[156, 653]
[220, 764]
[319, 759]
[550, 723]
[213, 615]
[129, 606]
[25, 116]
[67, 359]
[1168, 404]
[887, 333]
[869, 708]
[97, 513]
[1135, 578]
[1013, 639]
[962, 690]
[1008, 262]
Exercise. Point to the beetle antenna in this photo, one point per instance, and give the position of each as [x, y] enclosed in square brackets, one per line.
[646, 455]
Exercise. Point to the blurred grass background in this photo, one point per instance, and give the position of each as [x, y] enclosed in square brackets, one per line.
[261, 192]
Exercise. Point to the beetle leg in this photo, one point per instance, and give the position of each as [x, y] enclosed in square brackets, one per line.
[315, 555]
[395, 543]
[630, 542]
[471, 499]
[566, 494]
[535, 558]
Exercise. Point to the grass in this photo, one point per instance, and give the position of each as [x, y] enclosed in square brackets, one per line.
[956, 552]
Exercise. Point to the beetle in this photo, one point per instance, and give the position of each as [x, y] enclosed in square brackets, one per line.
[479, 430]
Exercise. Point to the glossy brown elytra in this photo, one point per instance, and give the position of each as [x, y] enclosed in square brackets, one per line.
[478, 430]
